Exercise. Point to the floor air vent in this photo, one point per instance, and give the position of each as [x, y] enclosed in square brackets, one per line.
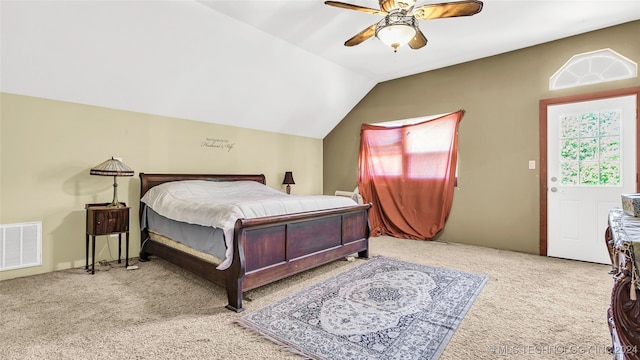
[20, 245]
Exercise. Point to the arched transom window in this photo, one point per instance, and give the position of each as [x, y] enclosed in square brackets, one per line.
[592, 68]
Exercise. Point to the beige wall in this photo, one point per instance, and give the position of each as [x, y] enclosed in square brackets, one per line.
[497, 202]
[47, 148]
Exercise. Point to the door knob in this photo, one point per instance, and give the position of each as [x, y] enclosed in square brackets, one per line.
[554, 189]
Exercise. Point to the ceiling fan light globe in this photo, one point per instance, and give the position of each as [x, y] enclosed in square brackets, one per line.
[396, 35]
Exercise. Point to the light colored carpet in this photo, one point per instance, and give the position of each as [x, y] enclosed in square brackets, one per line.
[531, 307]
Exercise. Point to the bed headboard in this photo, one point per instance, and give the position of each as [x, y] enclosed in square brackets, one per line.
[147, 181]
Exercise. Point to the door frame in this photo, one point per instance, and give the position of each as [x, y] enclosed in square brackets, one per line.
[544, 104]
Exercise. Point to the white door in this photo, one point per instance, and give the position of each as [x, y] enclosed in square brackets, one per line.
[591, 161]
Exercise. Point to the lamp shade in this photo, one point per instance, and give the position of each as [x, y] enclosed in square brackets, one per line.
[112, 167]
[288, 178]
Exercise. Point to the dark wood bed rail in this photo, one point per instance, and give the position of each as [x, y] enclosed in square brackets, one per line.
[150, 180]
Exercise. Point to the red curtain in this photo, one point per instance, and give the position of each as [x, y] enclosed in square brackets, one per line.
[408, 174]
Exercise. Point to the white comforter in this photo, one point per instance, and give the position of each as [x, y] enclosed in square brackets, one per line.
[220, 204]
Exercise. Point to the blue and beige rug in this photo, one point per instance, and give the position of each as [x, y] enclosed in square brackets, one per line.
[381, 309]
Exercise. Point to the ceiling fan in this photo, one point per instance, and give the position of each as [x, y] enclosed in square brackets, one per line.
[400, 23]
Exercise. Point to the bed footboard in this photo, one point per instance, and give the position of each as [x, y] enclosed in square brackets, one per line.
[270, 249]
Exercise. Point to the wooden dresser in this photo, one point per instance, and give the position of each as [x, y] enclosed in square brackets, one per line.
[623, 241]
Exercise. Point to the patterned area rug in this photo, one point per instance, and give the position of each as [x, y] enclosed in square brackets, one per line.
[381, 309]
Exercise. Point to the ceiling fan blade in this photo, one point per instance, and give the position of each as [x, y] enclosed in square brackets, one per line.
[356, 7]
[445, 10]
[418, 41]
[361, 36]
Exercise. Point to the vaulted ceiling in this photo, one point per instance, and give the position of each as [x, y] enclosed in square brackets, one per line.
[274, 65]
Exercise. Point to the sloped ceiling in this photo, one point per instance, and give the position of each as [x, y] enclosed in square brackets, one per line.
[274, 65]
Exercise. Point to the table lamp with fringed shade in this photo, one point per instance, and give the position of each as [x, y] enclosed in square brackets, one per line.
[113, 167]
[288, 180]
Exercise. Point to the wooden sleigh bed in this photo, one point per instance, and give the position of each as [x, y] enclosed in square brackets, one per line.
[265, 249]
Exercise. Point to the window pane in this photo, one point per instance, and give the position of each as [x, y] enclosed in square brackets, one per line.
[569, 127]
[569, 149]
[610, 148]
[589, 125]
[569, 173]
[610, 173]
[610, 123]
[589, 149]
[589, 173]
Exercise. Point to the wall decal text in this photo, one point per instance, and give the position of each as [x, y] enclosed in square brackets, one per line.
[220, 144]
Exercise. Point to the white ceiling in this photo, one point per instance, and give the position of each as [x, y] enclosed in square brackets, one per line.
[501, 26]
[274, 65]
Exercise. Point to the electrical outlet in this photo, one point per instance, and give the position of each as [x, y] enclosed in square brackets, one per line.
[532, 164]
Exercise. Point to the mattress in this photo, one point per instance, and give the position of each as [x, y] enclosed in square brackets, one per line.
[218, 205]
[203, 239]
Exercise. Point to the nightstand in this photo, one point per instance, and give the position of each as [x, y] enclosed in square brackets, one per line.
[103, 220]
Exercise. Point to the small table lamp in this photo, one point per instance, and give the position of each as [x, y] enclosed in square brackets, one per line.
[288, 180]
[112, 167]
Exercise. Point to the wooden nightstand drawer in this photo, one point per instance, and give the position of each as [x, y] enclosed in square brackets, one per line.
[103, 220]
